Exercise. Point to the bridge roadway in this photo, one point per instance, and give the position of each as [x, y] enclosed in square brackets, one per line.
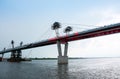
[100, 31]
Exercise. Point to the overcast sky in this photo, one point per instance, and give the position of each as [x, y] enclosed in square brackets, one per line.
[28, 20]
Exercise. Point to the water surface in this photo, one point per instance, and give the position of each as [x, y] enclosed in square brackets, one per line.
[102, 68]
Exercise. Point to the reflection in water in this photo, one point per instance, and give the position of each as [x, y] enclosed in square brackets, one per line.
[63, 71]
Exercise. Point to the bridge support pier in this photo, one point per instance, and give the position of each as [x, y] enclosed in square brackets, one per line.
[15, 56]
[62, 59]
[1, 58]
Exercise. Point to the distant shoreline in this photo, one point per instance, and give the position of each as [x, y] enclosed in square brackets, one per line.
[71, 58]
[50, 58]
[68, 58]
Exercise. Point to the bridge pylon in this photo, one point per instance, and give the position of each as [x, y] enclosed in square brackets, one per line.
[62, 59]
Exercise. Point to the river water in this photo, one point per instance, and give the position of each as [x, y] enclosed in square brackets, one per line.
[99, 68]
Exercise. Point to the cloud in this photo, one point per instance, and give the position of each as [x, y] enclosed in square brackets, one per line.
[106, 16]
[105, 46]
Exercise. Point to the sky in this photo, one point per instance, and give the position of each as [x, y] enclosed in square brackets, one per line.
[31, 20]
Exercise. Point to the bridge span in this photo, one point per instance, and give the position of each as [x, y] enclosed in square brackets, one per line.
[100, 31]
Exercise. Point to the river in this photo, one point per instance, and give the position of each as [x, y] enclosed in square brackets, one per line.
[97, 68]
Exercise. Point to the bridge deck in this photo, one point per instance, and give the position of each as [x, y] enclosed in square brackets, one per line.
[110, 29]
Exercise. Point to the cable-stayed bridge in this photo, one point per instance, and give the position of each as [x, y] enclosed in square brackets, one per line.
[100, 31]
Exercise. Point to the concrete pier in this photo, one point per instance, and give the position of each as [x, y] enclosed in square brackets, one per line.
[62, 59]
[15, 56]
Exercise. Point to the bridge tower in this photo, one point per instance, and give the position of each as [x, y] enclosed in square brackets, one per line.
[62, 59]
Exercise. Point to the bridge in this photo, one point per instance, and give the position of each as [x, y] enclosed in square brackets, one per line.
[16, 52]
